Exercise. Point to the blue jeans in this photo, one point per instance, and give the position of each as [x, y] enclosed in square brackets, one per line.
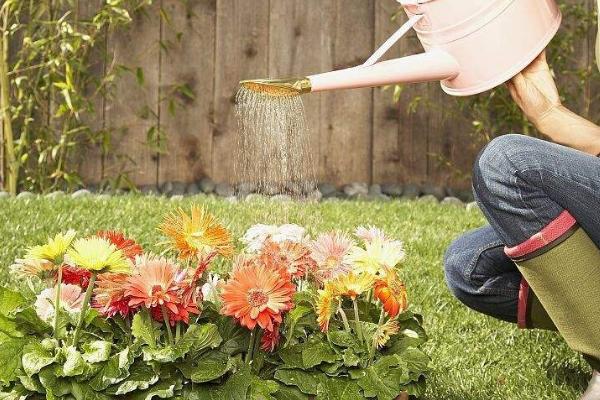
[521, 184]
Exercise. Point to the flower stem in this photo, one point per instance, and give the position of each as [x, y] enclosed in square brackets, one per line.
[344, 317]
[167, 324]
[250, 352]
[178, 332]
[57, 301]
[374, 344]
[359, 331]
[84, 307]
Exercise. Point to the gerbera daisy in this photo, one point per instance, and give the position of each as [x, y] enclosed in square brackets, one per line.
[256, 235]
[351, 284]
[392, 293]
[369, 234]
[154, 284]
[76, 276]
[54, 250]
[129, 247]
[385, 332]
[376, 256]
[34, 268]
[197, 235]
[71, 300]
[109, 295]
[98, 255]
[255, 295]
[270, 339]
[295, 257]
[325, 307]
[329, 251]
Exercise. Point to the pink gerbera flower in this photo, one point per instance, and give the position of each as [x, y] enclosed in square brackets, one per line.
[71, 299]
[329, 251]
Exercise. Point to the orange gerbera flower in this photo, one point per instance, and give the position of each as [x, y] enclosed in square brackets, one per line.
[270, 339]
[109, 295]
[75, 276]
[255, 295]
[392, 293]
[197, 235]
[154, 284]
[295, 257]
[128, 247]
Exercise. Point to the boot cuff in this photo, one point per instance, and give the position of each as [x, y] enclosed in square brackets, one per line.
[553, 234]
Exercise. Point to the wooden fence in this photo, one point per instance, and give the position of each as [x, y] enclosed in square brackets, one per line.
[210, 45]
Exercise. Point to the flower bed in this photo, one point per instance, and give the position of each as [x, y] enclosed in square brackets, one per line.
[295, 318]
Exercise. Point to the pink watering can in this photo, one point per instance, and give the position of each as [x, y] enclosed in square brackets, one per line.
[470, 46]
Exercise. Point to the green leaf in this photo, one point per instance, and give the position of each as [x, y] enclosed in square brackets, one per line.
[31, 383]
[262, 389]
[293, 318]
[143, 328]
[350, 358]
[10, 301]
[16, 393]
[307, 382]
[74, 364]
[384, 379]
[96, 351]
[316, 353]
[55, 387]
[9, 327]
[141, 378]
[28, 321]
[113, 371]
[164, 355]
[290, 393]
[82, 391]
[10, 359]
[35, 357]
[164, 390]
[207, 368]
[198, 338]
[238, 384]
[344, 339]
[339, 389]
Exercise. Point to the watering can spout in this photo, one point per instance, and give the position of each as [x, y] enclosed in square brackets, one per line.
[435, 65]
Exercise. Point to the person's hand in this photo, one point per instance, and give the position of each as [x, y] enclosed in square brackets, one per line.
[535, 92]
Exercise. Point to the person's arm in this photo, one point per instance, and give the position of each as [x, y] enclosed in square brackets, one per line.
[534, 90]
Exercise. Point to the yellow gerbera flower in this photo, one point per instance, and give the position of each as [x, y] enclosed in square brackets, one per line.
[325, 307]
[385, 332]
[376, 256]
[97, 254]
[351, 285]
[54, 249]
[197, 235]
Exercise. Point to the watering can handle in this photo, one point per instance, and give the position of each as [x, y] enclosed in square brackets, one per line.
[392, 40]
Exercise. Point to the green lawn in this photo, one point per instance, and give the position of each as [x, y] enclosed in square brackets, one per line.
[474, 357]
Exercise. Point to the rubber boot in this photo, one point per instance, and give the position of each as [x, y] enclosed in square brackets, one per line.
[531, 313]
[562, 265]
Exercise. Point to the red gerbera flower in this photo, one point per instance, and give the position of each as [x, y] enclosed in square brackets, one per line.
[129, 247]
[76, 276]
[109, 295]
[270, 339]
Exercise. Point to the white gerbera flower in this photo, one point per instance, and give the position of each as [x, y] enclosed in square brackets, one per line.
[255, 237]
[211, 290]
[376, 256]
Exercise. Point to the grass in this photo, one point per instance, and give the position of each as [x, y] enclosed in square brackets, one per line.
[474, 357]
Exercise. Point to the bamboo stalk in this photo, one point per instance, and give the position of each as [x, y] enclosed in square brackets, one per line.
[11, 167]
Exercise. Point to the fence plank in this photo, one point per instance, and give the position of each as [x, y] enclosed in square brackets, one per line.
[346, 119]
[295, 40]
[188, 62]
[132, 109]
[386, 151]
[241, 53]
[91, 161]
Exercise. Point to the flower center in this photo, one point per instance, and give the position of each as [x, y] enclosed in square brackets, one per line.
[331, 262]
[257, 297]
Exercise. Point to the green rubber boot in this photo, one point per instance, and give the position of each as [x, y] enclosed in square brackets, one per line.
[562, 265]
[531, 312]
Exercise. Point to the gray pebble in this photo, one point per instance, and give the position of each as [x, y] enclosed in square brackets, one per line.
[103, 196]
[149, 190]
[375, 190]
[281, 198]
[392, 189]
[454, 201]
[55, 195]
[177, 197]
[411, 191]
[438, 191]
[315, 195]
[179, 188]
[81, 193]
[255, 197]
[356, 189]
[327, 189]
[4, 195]
[166, 188]
[25, 195]
[232, 199]
[206, 185]
[224, 190]
[473, 206]
[245, 188]
[428, 198]
[192, 189]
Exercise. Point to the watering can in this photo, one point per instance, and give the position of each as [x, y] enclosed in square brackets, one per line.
[471, 46]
